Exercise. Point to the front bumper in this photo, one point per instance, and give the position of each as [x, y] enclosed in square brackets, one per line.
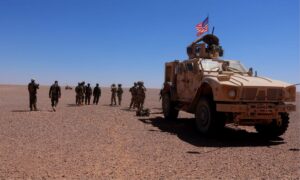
[255, 111]
[255, 107]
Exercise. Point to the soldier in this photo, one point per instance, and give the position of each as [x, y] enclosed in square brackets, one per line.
[32, 89]
[119, 93]
[88, 94]
[133, 91]
[96, 94]
[141, 95]
[77, 89]
[79, 93]
[83, 92]
[54, 94]
[113, 94]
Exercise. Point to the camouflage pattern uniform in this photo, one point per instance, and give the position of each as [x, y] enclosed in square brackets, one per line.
[141, 95]
[88, 94]
[79, 93]
[133, 91]
[32, 89]
[119, 93]
[96, 94]
[77, 89]
[54, 94]
[83, 92]
[113, 94]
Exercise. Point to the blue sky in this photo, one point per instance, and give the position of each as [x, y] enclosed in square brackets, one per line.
[117, 41]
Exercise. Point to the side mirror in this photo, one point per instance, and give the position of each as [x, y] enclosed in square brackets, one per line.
[250, 71]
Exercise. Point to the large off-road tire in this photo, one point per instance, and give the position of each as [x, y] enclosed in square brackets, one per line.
[168, 107]
[208, 121]
[273, 129]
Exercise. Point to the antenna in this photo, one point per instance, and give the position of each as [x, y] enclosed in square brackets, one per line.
[213, 30]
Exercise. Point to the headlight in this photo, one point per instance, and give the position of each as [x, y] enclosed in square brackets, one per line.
[232, 93]
[290, 93]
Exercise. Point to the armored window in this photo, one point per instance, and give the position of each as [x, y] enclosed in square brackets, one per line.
[190, 66]
[181, 68]
[176, 69]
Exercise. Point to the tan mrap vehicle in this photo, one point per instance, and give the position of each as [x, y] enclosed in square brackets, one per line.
[221, 91]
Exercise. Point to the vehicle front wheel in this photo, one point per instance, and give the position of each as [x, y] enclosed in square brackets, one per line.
[207, 120]
[274, 129]
[169, 107]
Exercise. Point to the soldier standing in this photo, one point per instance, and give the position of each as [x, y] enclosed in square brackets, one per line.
[119, 93]
[113, 94]
[54, 94]
[32, 89]
[141, 95]
[88, 94]
[133, 91]
[83, 92]
[96, 94]
[77, 88]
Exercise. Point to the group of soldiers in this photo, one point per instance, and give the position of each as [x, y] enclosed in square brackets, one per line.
[138, 95]
[116, 92]
[54, 94]
[84, 93]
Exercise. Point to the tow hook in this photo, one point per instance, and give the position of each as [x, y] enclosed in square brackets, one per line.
[235, 120]
[279, 122]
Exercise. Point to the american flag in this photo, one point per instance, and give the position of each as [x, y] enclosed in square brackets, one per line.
[202, 27]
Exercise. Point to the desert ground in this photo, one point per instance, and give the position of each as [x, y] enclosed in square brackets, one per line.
[104, 142]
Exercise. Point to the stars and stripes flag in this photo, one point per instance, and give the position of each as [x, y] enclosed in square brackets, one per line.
[202, 27]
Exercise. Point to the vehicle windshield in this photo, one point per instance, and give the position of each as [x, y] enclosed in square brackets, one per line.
[209, 65]
[234, 66]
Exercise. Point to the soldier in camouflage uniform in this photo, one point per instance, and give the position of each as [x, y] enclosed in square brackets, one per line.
[113, 94]
[54, 94]
[133, 91]
[32, 89]
[96, 94]
[88, 94]
[79, 94]
[77, 88]
[83, 92]
[119, 93]
[141, 95]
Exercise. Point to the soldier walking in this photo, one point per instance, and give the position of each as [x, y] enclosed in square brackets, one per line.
[133, 91]
[32, 89]
[88, 94]
[119, 93]
[113, 95]
[96, 94]
[54, 94]
[141, 95]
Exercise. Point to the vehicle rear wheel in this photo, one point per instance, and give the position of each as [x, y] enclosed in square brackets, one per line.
[169, 107]
[274, 129]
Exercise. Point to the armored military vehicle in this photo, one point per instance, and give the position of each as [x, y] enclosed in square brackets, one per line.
[220, 91]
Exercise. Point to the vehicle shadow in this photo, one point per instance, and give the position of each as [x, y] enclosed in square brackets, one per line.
[185, 130]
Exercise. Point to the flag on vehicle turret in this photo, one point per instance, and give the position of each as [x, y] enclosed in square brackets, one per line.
[202, 27]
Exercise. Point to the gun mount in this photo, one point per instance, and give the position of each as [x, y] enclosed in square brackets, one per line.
[205, 47]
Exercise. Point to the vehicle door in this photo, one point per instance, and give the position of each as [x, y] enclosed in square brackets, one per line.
[181, 82]
[193, 79]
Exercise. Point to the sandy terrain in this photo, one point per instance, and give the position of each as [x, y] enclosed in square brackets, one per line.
[103, 142]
